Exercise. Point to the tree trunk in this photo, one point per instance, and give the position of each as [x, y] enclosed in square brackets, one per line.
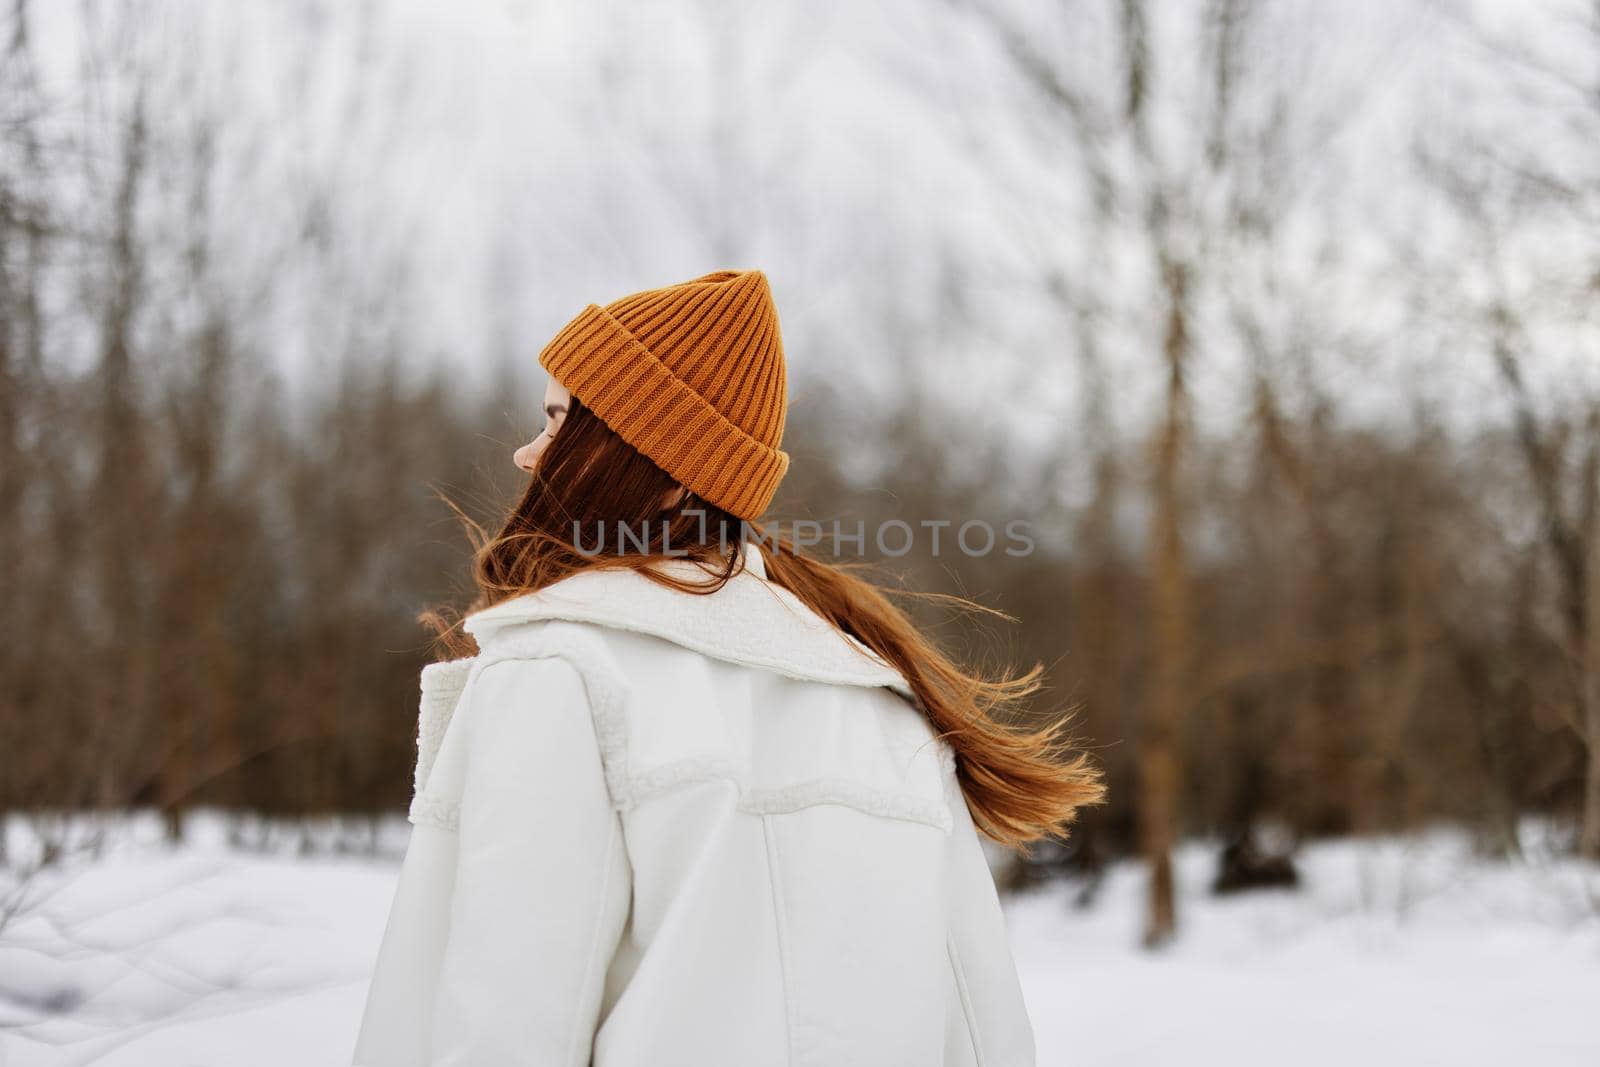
[1159, 762]
[1589, 841]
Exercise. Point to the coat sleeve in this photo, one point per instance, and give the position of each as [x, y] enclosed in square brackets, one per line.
[542, 883]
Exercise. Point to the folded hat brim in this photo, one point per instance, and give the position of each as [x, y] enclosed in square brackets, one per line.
[645, 404]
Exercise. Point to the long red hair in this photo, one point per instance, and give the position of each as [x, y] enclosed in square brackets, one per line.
[1021, 784]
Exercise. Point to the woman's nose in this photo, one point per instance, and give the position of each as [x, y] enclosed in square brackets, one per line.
[524, 457]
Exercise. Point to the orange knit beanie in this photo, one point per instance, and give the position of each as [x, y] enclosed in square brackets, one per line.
[692, 376]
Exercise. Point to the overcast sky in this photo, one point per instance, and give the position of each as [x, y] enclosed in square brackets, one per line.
[876, 160]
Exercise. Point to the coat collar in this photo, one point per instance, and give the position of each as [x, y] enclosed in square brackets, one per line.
[750, 620]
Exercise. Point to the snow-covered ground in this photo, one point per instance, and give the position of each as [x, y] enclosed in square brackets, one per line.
[1395, 952]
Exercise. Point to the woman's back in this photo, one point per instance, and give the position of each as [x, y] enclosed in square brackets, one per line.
[667, 828]
[687, 811]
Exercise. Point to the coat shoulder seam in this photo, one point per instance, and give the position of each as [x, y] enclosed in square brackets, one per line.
[602, 684]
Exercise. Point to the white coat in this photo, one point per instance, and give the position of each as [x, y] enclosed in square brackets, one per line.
[678, 830]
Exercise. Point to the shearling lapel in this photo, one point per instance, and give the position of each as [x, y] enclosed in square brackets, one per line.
[750, 620]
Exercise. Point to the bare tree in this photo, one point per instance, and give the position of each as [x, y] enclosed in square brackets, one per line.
[1200, 207]
[1505, 192]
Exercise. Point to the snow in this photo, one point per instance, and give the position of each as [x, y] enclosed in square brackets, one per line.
[1395, 951]
[204, 954]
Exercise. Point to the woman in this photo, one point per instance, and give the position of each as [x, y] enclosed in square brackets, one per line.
[689, 797]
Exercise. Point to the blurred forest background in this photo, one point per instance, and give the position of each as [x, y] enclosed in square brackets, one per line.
[1277, 321]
